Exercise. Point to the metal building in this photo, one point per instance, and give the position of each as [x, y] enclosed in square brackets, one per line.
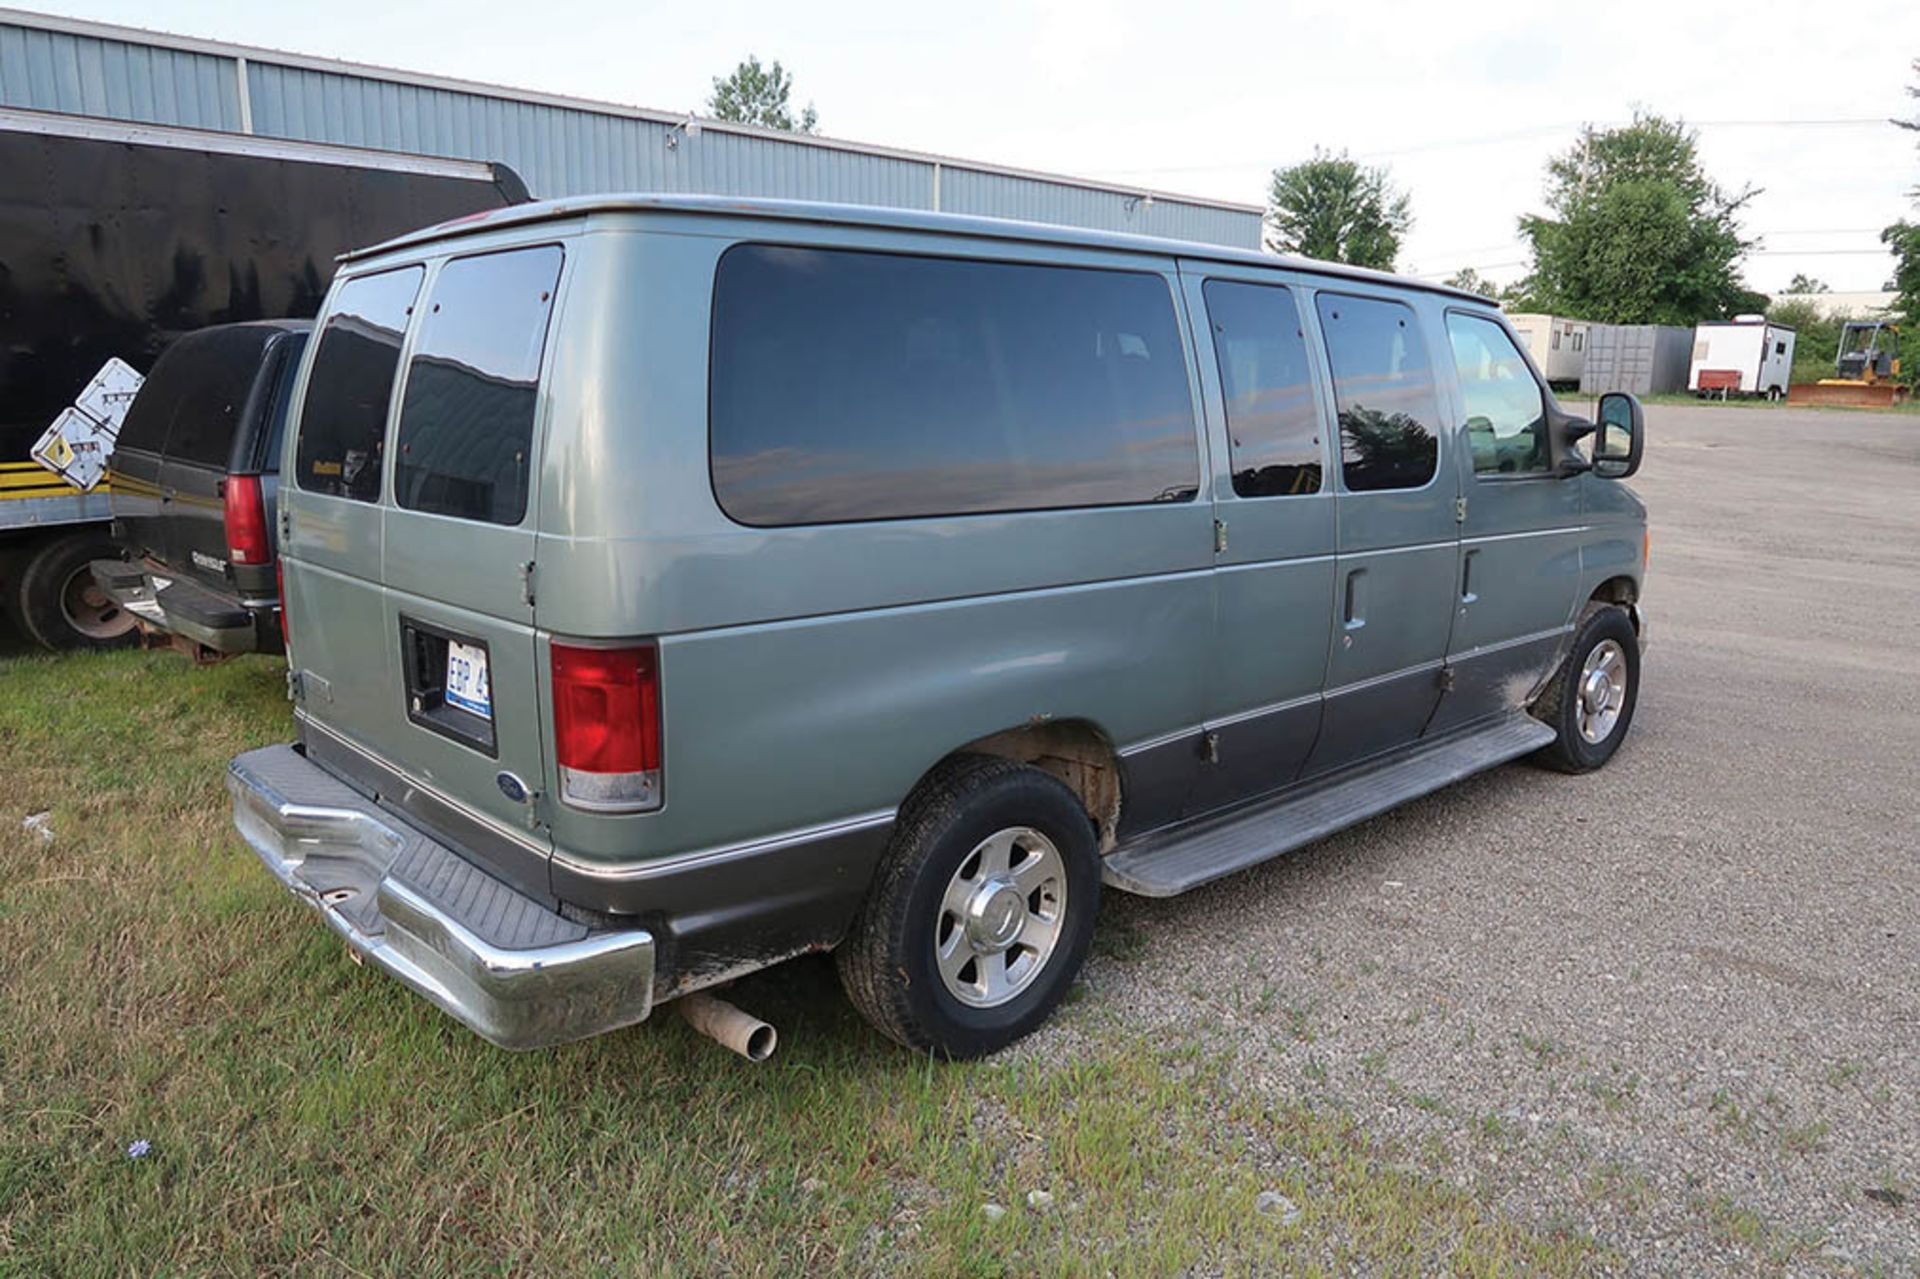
[560, 145]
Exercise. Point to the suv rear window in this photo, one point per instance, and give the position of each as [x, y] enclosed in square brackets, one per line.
[343, 424]
[466, 417]
[288, 350]
[190, 404]
[860, 386]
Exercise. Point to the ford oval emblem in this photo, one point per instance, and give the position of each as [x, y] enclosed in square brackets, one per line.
[512, 787]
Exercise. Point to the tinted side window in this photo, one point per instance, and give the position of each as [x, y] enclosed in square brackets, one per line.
[1273, 421]
[190, 404]
[858, 386]
[150, 417]
[288, 352]
[1384, 384]
[466, 417]
[343, 424]
[225, 363]
[1506, 412]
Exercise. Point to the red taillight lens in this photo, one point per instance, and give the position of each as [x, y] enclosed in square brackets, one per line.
[606, 726]
[246, 521]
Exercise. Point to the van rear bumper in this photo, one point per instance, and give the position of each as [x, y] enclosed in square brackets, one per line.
[504, 964]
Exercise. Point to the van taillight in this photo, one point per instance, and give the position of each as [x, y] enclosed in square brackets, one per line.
[606, 726]
[246, 521]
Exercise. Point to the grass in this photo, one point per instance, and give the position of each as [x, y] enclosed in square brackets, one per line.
[307, 1116]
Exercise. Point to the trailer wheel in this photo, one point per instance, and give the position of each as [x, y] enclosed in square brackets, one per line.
[61, 606]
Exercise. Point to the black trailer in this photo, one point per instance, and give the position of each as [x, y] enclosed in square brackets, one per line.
[115, 239]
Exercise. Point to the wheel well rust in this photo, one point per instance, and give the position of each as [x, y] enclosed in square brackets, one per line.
[1076, 752]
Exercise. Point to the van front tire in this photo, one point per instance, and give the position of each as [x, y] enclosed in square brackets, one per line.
[981, 912]
[1590, 702]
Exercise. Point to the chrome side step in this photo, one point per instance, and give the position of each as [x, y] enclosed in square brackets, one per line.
[1168, 863]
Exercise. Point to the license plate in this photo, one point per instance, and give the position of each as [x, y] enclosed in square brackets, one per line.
[468, 686]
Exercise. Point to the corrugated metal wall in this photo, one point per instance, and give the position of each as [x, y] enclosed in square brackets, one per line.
[557, 149]
[566, 151]
[82, 75]
[1000, 195]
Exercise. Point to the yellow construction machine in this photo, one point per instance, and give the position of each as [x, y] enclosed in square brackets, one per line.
[1867, 370]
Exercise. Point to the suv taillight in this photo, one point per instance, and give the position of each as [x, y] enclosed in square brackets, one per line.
[246, 521]
[606, 726]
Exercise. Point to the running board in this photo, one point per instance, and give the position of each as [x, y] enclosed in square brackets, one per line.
[1169, 863]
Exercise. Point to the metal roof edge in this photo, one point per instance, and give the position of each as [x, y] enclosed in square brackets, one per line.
[891, 219]
[337, 66]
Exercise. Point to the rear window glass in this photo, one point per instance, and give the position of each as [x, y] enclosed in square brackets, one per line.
[225, 366]
[190, 405]
[343, 424]
[859, 386]
[1273, 420]
[466, 417]
[1383, 381]
[289, 351]
[150, 416]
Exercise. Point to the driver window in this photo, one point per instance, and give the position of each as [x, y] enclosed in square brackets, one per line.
[1506, 411]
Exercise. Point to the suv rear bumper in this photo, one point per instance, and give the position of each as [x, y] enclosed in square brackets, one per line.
[159, 598]
[502, 963]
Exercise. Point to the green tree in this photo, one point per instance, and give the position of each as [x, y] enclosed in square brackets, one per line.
[1636, 232]
[1338, 210]
[1903, 238]
[1804, 283]
[754, 94]
[1816, 336]
[1472, 281]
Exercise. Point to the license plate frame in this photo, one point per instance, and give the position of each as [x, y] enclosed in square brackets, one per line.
[436, 699]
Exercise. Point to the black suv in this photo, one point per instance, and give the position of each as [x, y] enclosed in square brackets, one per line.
[195, 477]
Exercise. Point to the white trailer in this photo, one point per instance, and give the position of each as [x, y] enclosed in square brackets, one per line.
[1558, 345]
[1742, 356]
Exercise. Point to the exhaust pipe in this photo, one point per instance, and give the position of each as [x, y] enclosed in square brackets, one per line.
[731, 1028]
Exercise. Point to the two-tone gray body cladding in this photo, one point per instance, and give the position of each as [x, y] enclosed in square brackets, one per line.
[1209, 648]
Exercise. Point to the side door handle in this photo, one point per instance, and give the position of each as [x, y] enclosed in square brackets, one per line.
[1467, 595]
[1354, 614]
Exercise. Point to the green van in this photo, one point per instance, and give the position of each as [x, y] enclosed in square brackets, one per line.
[677, 585]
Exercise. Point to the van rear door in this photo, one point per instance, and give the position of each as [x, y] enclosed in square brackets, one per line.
[409, 600]
[459, 536]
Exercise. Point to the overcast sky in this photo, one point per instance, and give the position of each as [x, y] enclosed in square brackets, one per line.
[1464, 102]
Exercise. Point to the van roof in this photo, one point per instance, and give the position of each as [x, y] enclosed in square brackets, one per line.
[890, 219]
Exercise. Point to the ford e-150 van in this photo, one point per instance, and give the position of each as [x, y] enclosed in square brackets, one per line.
[677, 585]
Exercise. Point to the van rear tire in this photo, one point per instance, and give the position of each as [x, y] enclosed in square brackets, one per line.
[60, 606]
[981, 912]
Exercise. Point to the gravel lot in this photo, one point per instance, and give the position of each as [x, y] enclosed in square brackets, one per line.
[1672, 1004]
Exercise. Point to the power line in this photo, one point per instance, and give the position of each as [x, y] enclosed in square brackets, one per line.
[1521, 135]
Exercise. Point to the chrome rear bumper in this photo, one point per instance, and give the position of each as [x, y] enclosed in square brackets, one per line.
[507, 966]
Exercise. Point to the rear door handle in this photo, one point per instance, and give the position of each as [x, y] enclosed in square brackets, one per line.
[1466, 578]
[1354, 615]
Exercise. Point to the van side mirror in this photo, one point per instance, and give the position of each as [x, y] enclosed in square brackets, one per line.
[1620, 438]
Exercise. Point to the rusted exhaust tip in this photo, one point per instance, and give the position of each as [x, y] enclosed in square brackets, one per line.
[728, 1026]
